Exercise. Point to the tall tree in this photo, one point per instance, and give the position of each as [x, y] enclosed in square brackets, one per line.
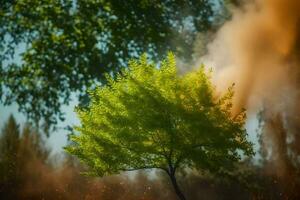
[9, 146]
[152, 118]
[68, 45]
[20, 153]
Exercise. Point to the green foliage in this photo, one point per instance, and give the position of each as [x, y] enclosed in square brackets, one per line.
[20, 151]
[151, 117]
[9, 147]
[70, 44]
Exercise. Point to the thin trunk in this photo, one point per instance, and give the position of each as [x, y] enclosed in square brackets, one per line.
[175, 185]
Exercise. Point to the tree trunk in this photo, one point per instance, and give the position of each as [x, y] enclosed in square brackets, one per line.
[175, 185]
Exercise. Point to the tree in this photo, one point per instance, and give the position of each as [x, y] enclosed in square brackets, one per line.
[9, 146]
[20, 152]
[150, 117]
[68, 45]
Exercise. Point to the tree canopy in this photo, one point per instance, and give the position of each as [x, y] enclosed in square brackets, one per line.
[150, 117]
[69, 45]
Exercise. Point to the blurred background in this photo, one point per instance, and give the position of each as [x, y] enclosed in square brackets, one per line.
[53, 51]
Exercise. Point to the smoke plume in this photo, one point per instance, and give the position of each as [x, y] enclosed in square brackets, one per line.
[258, 49]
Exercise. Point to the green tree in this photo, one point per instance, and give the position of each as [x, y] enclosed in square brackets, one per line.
[69, 44]
[20, 152]
[150, 117]
[9, 146]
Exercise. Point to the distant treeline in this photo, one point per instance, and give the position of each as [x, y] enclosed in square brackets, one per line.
[27, 171]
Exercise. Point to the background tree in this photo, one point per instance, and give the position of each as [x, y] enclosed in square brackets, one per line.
[152, 118]
[19, 154]
[9, 146]
[68, 45]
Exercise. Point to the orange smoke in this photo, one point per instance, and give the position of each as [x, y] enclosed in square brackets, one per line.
[259, 50]
[256, 50]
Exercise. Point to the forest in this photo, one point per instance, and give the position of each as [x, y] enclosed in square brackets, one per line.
[170, 99]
